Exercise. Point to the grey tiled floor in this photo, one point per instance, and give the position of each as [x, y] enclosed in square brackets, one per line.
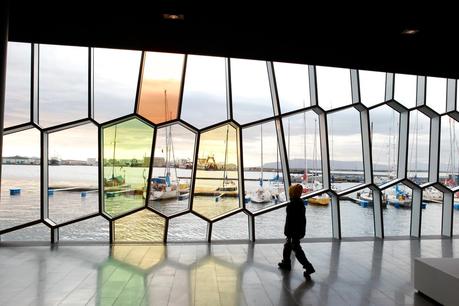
[348, 273]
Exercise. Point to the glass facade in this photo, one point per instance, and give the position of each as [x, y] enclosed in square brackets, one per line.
[132, 146]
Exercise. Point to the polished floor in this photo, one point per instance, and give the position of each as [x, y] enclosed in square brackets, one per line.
[347, 273]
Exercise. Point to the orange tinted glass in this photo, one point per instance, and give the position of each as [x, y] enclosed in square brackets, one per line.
[160, 88]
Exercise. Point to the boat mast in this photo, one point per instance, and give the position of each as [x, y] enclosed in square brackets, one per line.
[261, 156]
[314, 148]
[304, 145]
[226, 155]
[114, 150]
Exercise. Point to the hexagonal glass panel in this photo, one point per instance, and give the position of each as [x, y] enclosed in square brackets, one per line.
[292, 86]
[216, 185]
[172, 169]
[39, 232]
[318, 220]
[160, 88]
[372, 87]
[405, 89]
[436, 94]
[431, 217]
[397, 214]
[302, 141]
[250, 90]
[234, 227]
[333, 87]
[63, 84]
[356, 212]
[140, 226]
[126, 160]
[116, 73]
[384, 133]
[17, 90]
[418, 147]
[345, 148]
[73, 173]
[205, 85]
[449, 146]
[318, 216]
[94, 229]
[263, 181]
[20, 197]
[187, 228]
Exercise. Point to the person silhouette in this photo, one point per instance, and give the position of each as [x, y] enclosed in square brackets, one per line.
[294, 230]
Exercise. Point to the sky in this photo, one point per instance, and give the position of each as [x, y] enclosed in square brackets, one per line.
[64, 95]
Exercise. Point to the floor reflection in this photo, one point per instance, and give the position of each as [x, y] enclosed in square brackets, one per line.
[347, 273]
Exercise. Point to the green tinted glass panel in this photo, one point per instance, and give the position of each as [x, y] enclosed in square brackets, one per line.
[216, 188]
[126, 159]
[141, 226]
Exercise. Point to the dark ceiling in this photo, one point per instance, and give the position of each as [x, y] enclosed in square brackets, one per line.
[343, 35]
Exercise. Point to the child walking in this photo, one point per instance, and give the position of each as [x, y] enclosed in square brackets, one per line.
[294, 230]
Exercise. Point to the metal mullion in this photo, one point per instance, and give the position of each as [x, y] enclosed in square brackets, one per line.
[269, 209]
[139, 82]
[352, 189]
[416, 213]
[54, 235]
[312, 78]
[355, 85]
[44, 176]
[119, 120]
[390, 86]
[366, 146]
[162, 124]
[451, 92]
[194, 170]
[182, 87]
[150, 167]
[17, 128]
[240, 168]
[91, 83]
[111, 231]
[166, 229]
[90, 216]
[19, 227]
[434, 149]
[336, 215]
[228, 214]
[251, 227]
[258, 122]
[209, 232]
[447, 214]
[128, 213]
[404, 125]
[378, 213]
[100, 165]
[229, 91]
[34, 81]
[156, 212]
[200, 216]
[297, 111]
[279, 127]
[324, 150]
[218, 124]
[421, 88]
[68, 125]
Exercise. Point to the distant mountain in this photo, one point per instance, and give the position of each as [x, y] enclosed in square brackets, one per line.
[346, 165]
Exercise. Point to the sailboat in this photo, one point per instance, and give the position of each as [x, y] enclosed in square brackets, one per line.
[114, 182]
[227, 185]
[163, 187]
[261, 195]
